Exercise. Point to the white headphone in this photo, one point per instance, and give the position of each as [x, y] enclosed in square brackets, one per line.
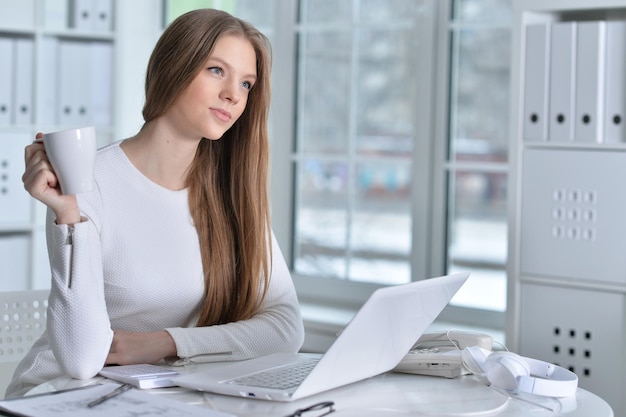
[515, 373]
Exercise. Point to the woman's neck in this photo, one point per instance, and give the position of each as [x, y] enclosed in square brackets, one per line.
[161, 156]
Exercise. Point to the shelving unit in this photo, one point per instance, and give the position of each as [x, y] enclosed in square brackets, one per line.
[567, 222]
[56, 72]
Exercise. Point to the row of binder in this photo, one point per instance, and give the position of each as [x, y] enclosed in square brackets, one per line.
[16, 80]
[575, 82]
[75, 82]
[87, 15]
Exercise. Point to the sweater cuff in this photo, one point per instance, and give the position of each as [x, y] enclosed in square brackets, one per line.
[188, 351]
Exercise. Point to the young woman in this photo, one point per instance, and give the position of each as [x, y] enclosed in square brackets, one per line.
[172, 256]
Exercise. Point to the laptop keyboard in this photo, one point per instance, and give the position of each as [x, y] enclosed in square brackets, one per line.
[284, 377]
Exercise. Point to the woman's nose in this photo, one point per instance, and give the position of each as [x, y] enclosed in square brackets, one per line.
[230, 92]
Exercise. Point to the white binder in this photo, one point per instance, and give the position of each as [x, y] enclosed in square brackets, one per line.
[74, 68]
[536, 66]
[81, 14]
[24, 73]
[562, 81]
[101, 86]
[103, 11]
[615, 110]
[590, 57]
[6, 81]
[47, 82]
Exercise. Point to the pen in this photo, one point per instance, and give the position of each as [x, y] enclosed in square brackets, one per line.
[117, 391]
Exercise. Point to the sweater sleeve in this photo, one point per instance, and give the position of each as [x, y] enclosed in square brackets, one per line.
[277, 327]
[78, 323]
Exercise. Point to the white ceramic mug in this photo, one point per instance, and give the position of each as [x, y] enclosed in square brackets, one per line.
[72, 154]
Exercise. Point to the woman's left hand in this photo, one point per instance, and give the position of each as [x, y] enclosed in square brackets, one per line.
[130, 348]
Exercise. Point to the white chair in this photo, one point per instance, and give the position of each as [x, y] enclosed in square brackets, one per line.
[22, 321]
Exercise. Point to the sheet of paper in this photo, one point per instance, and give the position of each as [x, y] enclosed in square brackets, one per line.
[131, 403]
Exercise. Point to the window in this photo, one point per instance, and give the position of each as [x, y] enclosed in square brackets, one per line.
[355, 138]
[400, 156]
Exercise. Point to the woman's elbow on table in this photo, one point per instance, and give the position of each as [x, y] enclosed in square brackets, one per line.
[82, 372]
[81, 362]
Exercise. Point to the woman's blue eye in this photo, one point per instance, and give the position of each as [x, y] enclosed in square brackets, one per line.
[219, 71]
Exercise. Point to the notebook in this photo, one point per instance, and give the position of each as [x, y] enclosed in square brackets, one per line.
[375, 341]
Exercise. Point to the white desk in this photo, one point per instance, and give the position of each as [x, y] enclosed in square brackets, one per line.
[387, 395]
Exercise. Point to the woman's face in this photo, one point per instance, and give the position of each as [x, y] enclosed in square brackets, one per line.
[218, 94]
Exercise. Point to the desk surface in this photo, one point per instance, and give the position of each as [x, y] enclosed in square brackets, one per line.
[388, 395]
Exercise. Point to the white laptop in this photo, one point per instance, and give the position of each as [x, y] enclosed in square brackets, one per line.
[375, 341]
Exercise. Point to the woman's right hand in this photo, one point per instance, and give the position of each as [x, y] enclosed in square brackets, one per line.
[42, 184]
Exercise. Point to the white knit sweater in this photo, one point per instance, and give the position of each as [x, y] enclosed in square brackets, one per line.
[134, 265]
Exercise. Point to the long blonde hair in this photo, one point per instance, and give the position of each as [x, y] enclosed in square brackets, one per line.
[227, 180]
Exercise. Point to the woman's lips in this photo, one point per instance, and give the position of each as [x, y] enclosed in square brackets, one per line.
[221, 114]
